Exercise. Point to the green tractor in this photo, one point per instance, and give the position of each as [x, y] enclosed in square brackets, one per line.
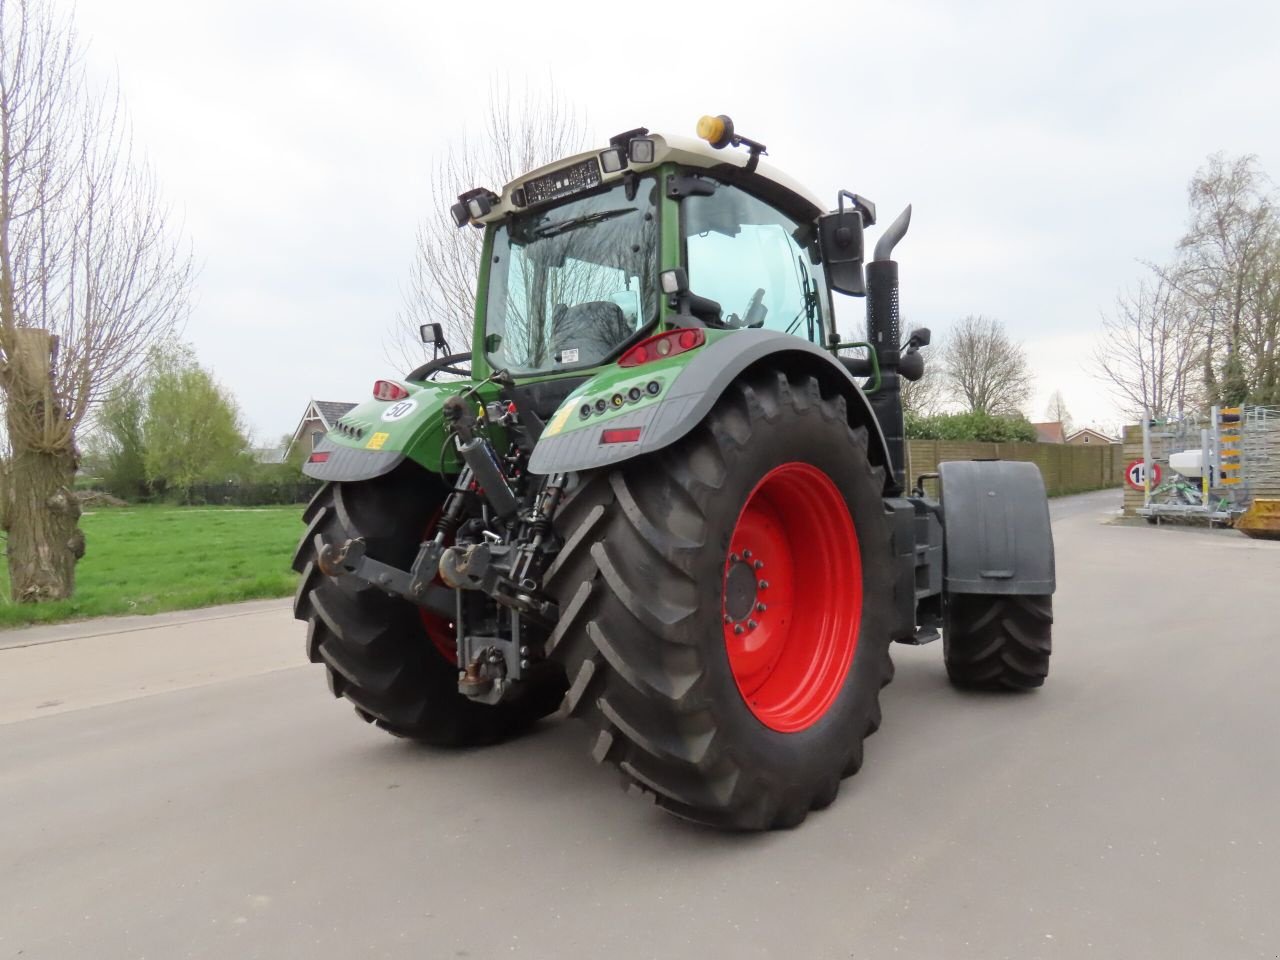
[658, 497]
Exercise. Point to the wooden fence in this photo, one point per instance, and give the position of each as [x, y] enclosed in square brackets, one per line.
[1066, 469]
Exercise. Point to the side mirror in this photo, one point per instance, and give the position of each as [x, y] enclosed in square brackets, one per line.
[840, 239]
[920, 337]
[432, 333]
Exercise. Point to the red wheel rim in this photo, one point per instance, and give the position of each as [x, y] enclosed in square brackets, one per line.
[792, 597]
[442, 631]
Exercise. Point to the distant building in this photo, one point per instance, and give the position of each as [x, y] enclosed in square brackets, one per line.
[1089, 435]
[319, 418]
[1050, 432]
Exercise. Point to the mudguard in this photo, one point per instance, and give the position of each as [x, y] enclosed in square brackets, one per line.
[996, 533]
[674, 395]
[375, 437]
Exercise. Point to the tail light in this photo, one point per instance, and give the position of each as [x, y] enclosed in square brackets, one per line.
[620, 435]
[388, 390]
[663, 345]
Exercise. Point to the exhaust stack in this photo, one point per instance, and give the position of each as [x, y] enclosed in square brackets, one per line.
[884, 332]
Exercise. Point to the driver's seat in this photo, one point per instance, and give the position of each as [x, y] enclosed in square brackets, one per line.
[593, 329]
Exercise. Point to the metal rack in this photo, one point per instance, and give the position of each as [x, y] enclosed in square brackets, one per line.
[1221, 491]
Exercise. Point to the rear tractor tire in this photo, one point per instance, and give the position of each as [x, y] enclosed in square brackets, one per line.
[725, 611]
[393, 661]
[997, 642]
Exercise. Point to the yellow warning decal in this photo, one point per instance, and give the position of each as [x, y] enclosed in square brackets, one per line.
[557, 422]
[376, 441]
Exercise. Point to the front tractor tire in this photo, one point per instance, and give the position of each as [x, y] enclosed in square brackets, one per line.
[997, 642]
[725, 608]
[393, 661]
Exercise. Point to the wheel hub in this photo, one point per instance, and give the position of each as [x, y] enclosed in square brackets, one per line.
[739, 591]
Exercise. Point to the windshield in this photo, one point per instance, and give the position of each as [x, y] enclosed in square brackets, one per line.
[569, 285]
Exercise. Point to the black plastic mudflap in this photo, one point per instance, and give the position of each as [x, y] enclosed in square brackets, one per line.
[996, 528]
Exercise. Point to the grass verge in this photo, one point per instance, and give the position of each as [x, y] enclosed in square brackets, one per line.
[150, 559]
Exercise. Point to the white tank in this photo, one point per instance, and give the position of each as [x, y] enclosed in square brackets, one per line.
[1189, 463]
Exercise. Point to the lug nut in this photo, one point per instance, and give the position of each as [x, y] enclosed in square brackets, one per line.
[524, 664]
[751, 624]
[764, 584]
[737, 628]
[761, 608]
[524, 651]
[746, 554]
[728, 619]
[759, 565]
[733, 558]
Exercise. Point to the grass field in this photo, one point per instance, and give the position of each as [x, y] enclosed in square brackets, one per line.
[155, 558]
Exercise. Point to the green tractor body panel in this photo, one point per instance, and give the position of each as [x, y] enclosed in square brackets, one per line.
[627, 412]
[381, 433]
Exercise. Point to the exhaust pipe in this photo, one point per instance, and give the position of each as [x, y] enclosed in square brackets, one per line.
[885, 335]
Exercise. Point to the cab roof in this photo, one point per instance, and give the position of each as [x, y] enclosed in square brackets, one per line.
[729, 163]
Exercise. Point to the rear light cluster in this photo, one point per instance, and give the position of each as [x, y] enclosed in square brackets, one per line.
[388, 390]
[663, 345]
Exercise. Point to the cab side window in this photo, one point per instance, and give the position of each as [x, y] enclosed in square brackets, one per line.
[744, 254]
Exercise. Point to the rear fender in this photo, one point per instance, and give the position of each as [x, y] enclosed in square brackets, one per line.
[678, 393]
[996, 533]
[375, 437]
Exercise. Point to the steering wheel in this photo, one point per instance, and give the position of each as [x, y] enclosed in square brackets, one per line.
[449, 364]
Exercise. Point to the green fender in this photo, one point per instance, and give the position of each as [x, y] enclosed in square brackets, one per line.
[654, 405]
[378, 435]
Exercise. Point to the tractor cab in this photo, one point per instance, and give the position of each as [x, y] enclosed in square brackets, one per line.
[575, 253]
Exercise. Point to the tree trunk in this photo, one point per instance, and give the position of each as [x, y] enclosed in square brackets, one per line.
[43, 516]
[40, 512]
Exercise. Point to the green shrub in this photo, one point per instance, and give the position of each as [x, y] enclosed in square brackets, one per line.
[971, 426]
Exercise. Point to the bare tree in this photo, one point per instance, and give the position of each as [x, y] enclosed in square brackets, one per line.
[517, 137]
[1057, 412]
[1229, 271]
[90, 275]
[984, 368]
[1150, 350]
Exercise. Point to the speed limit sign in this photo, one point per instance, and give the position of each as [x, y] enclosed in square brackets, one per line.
[1133, 474]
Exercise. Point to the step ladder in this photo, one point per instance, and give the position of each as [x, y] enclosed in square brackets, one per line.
[1228, 445]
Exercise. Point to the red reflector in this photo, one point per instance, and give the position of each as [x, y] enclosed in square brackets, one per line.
[620, 435]
[663, 345]
[387, 390]
[320, 456]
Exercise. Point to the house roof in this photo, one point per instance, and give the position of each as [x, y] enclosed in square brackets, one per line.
[1050, 432]
[328, 412]
[331, 411]
[1101, 436]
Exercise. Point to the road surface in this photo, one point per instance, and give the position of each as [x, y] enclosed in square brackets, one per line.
[185, 787]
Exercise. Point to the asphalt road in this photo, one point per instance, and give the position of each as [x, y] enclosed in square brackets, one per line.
[182, 787]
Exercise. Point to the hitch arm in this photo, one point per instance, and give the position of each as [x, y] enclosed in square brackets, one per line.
[415, 585]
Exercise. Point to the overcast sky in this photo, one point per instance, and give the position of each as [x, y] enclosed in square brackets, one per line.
[1046, 150]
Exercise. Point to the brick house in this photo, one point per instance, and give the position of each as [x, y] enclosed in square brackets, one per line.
[1089, 435]
[319, 418]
